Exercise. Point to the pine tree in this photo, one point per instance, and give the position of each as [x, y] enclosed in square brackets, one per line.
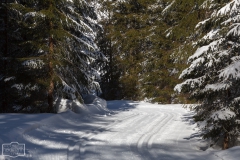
[110, 74]
[213, 76]
[127, 28]
[143, 40]
[121, 49]
[162, 36]
[156, 81]
[51, 51]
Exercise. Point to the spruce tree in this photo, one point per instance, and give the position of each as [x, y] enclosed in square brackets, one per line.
[51, 51]
[153, 31]
[174, 23]
[126, 29]
[110, 71]
[212, 78]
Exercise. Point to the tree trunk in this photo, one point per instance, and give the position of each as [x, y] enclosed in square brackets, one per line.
[110, 60]
[226, 141]
[50, 65]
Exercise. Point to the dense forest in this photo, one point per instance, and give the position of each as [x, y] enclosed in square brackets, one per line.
[163, 51]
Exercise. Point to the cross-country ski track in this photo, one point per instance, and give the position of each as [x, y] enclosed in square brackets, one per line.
[127, 131]
[146, 132]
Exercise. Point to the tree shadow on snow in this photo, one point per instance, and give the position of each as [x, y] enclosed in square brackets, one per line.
[188, 118]
[202, 144]
[51, 136]
[157, 152]
[121, 105]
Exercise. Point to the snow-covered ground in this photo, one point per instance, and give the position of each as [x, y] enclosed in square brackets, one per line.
[125, 130]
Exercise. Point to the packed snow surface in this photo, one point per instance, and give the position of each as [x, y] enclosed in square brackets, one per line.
[125, 130]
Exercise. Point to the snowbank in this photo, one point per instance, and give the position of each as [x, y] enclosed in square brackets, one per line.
[232, 153]
[93, 105]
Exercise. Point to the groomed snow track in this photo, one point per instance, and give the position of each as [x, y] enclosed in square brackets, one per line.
[127, 130]
[143, 131]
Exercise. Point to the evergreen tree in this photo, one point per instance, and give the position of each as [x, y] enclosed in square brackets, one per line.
[213, 76]
[109, 69]
[173, 33]
[51, 52]
[157, 79]
[126, 27]
[153, 31]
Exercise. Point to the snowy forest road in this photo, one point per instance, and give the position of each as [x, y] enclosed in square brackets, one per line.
[127, 130]
[143, 131]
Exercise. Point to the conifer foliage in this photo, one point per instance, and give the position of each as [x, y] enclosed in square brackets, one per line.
[125, 29]
[142, 41]
[213, 75]
[132, 40]
[50, 53]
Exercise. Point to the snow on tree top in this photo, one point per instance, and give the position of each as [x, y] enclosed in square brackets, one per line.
[231, 8]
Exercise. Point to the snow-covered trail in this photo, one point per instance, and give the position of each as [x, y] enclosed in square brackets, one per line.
[128, 131]
[147, 132]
